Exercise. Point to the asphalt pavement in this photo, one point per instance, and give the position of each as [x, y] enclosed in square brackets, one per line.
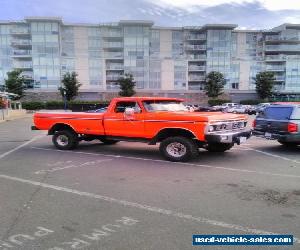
[125, 196]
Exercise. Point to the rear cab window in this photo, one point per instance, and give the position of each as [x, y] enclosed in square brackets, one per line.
[276, 113]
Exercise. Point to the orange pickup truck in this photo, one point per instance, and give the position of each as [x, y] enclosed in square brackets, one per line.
[148, 119]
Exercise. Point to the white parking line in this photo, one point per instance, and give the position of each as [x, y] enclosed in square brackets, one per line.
[177, 163]
[86, 164]
[272, 155]
[20, 146]
[144, 207]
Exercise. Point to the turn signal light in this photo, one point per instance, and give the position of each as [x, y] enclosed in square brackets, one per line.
[292, 127]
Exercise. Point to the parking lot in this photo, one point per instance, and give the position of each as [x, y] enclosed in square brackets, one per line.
[125, 196]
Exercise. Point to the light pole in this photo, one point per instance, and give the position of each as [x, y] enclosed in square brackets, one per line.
[65, 99]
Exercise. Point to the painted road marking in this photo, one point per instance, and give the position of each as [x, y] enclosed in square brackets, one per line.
[21, 146]
[272, 155]
[177, 163]
[85, 164]
[144, 207]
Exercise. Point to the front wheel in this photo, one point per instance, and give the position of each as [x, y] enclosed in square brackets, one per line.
[178, 149]
[65, 140]
[219, 147]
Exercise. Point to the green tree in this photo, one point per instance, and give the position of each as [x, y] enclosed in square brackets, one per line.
[264, 84]
[127, 85]
[214, 84]
[70, 86]
[15, 83]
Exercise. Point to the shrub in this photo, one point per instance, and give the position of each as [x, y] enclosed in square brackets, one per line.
[214, 102]
[54, 105]
[33, 105]
[251, 102]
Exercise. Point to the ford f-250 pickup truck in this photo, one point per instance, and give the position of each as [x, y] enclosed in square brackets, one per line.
[148, 119]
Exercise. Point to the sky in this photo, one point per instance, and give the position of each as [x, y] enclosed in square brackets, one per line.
[248, 14]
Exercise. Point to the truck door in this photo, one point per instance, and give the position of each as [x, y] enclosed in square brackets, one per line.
[118, 124]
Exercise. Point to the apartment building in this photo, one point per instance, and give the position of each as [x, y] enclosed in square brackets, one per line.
[161, 59]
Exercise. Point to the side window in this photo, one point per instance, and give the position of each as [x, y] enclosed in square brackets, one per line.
[296, 113]
[121, 106]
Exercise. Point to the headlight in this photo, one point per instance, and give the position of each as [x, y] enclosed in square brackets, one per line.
[211, 128]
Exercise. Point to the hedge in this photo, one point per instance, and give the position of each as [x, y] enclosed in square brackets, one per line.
[36, 105]
[214, 102]
[251, 102]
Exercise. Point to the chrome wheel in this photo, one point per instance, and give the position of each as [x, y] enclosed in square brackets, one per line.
[176, 149]
[62, 140]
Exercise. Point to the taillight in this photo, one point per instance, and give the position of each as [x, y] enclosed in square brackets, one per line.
[292, 127]
[254, 123]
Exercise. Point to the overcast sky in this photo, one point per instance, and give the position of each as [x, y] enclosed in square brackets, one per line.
[249, 14]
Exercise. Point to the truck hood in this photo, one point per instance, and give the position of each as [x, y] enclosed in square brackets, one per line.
[198, 116]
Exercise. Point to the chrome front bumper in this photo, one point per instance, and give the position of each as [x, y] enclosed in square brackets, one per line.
[229, 137]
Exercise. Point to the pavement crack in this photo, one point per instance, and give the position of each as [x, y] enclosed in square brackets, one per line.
[21, 212]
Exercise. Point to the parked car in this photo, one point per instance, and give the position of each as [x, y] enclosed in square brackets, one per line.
[205, 109]
[147, 119]
[225, 106]
[251, 109]
[260, 107]
[237, 109]
[279, 122]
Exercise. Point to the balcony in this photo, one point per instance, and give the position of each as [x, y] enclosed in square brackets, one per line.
[113, 77]
[275, 58]
[196, 78]
[112, 34]
[195, 47]
[197, 68]
[114, 56]
[194, 37]
[294, 48]
[275, 68]
[113, 45]
[20, 32]
[278, 38]
[115, 67]
[28, 75]
[21, 43]
[21, 53]
[22, 65]
[279, 78]
[193, 57]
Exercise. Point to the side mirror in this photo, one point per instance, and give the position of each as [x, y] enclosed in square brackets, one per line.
[129, 113]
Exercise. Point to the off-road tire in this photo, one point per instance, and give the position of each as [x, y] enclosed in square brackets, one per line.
[65, 140]
[190, 149]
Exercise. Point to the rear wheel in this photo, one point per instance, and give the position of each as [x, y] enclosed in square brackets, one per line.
[178, 149]
[108, 141]
[65, 140]
[219, 147]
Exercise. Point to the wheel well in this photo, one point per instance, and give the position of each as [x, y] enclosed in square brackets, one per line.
[59, 127]
[168, 132]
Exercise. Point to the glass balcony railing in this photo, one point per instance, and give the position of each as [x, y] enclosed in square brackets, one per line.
[113, 55]
[21, 42]
[275, 68]
[113, 45]
[282, 38]
[196, 37]
[195, 47]
[196, 57]
[19, 31]
[275, 58]
[196, 78]
[22, 65]
[115, 67]
[280, 78]
[113, 77]
[112, 34]
[197, 68]
[282, 48]
[21, 53]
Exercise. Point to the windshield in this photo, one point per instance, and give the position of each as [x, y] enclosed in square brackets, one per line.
[277, 113]
[152, 106]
